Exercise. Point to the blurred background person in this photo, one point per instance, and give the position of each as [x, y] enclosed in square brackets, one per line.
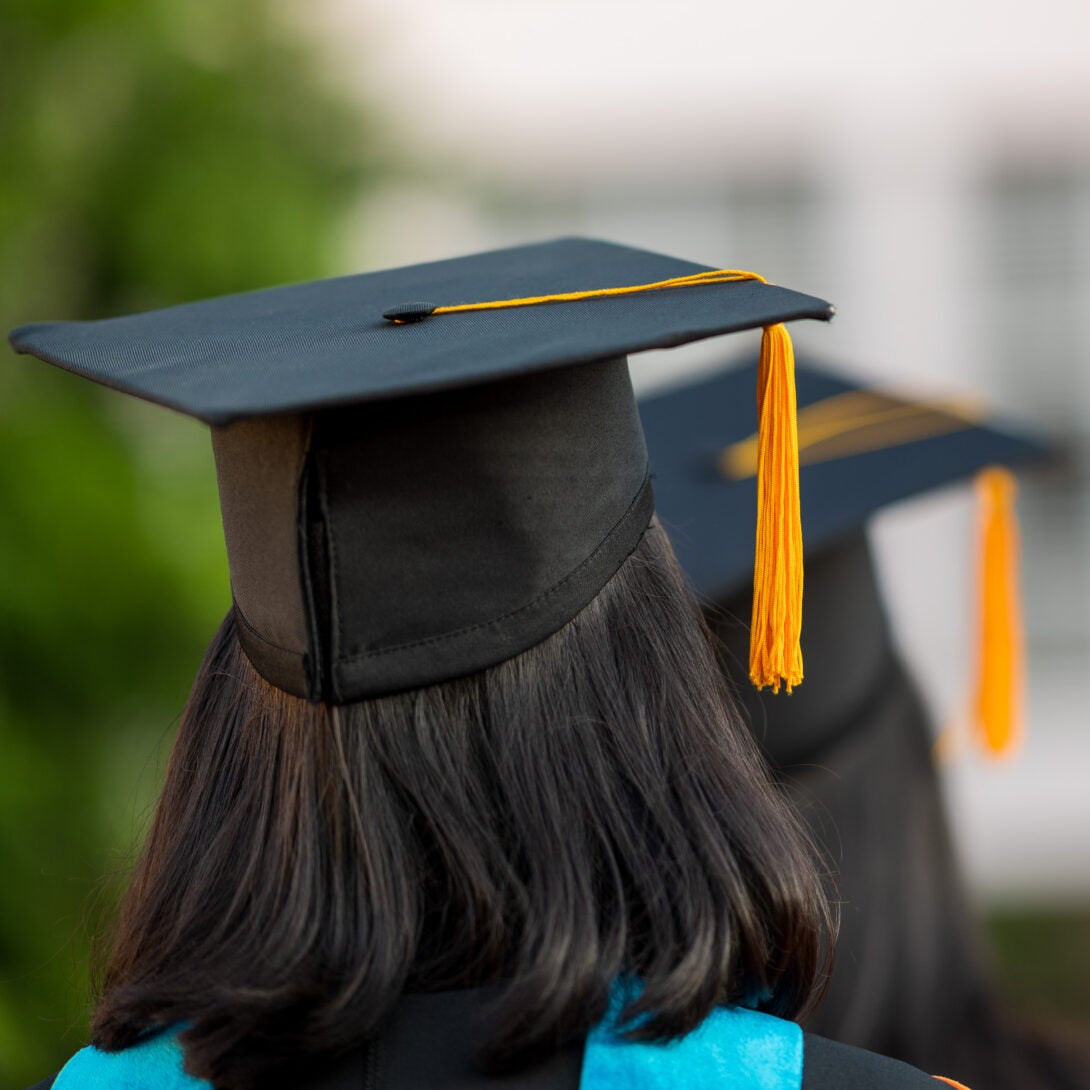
[853, 744]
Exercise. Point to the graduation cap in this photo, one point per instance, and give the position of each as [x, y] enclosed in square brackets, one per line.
[860, 449]
[426, 471]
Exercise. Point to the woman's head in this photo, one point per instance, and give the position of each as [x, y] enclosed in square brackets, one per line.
[449, 503]
[587, 809]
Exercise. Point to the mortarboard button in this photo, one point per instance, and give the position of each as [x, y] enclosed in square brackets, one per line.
[405, 313]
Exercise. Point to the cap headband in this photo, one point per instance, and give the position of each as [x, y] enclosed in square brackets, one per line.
[397, 544]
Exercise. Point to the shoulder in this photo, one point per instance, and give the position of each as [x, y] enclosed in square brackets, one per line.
[154, 1064]
[732, 1049]
[737, 1049]
[829, 1065]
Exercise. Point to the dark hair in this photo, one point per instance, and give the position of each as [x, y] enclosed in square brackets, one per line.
[912, 978]
[588, 809]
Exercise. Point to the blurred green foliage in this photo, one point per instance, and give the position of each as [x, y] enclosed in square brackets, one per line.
[151, 152]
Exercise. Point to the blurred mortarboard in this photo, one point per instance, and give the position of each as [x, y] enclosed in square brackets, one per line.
[406, 501]
[860, 449]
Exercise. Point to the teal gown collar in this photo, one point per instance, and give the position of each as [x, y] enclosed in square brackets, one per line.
[732, 1049]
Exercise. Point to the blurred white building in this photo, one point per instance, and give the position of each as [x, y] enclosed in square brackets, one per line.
[924, 166]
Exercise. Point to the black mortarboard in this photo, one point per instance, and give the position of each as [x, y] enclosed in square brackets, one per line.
[860, 449]
[407, 503]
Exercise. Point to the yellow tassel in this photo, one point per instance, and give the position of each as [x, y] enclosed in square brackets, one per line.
[1000, 656]
[775, 654]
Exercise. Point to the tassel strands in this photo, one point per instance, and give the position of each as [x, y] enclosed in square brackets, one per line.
[775, 652]
[1000, 662]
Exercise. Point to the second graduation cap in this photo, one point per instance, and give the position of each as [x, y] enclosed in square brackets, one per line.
[408, 503]
[860, 449]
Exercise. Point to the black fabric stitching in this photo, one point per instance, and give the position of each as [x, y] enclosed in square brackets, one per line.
[335, 614]
[620, 525]
[313, 658]
[248, 625]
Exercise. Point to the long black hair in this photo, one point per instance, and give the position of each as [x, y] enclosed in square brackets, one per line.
[589, 809]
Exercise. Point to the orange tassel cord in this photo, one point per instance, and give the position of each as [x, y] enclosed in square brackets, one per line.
[1000, 663]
